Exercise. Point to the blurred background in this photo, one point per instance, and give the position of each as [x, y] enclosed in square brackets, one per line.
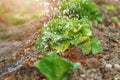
[15, 14]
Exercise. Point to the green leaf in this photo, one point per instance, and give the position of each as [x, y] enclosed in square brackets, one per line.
[91, 45]
[86, 47]
[76, 65]
[96, 46]
[60, 47]
[55, 67]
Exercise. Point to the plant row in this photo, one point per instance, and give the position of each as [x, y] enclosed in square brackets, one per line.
[71, 27]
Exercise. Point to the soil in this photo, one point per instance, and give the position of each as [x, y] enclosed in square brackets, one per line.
[17, 62]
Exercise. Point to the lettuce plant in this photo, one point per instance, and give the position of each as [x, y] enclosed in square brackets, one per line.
[60, 34]
[80, 9]
[55, 67]
[72, 28]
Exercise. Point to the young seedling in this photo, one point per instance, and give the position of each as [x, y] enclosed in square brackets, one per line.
[115, 19]
[110, 8]
[55, 67]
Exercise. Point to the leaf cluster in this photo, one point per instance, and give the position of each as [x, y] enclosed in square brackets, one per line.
[60, 34]
[80, 9]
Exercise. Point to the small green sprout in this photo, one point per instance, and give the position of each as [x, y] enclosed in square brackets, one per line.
[115, 19]
[110, 8]
[116, 78]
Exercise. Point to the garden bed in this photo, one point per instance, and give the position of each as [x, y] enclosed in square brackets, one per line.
[103, 66]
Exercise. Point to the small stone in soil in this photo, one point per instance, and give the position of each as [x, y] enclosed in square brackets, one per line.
[109, 66]
[117, 67]
[83, 75]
